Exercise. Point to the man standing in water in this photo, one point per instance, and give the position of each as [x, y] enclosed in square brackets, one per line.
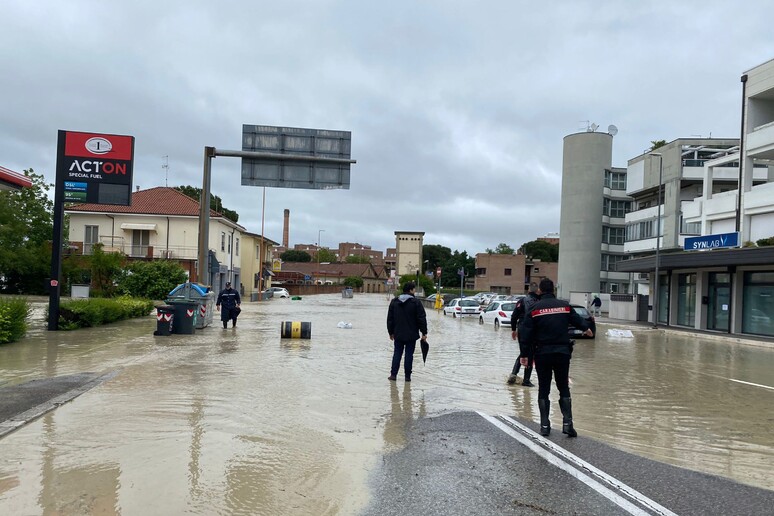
[230, 300]
[406, 318]
[545, 329]
[523, 307]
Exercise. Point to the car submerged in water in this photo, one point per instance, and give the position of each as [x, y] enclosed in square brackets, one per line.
[586, 315]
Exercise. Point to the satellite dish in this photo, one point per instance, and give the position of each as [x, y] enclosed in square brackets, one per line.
[593, 127]
[612, 130]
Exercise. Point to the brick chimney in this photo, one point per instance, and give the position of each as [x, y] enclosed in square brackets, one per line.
[286, 230]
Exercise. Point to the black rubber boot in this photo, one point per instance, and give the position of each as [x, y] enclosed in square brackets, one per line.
[545, 424]
[566, 405]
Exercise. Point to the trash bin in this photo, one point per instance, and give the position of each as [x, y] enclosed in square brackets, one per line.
[165, 315]
[346, 293]
[185, 315]
[200, 294]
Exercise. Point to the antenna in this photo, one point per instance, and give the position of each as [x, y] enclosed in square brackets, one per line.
[612, 130]
[165, 166]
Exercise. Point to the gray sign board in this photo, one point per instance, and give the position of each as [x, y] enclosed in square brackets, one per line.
[292, 157]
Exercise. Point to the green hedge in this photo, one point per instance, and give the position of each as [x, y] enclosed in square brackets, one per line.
[13, 319]
[85, 313]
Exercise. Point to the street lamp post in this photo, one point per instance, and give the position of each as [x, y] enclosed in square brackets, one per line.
[658, 238]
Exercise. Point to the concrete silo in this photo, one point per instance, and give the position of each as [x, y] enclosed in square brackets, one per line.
[586, 157]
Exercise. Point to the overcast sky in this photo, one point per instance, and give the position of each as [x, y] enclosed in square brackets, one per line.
[457, 108]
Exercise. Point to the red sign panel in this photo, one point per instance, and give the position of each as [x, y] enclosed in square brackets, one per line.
[107, 146]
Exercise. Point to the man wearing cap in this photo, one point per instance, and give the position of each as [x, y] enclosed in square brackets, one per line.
[230, 300]
[406, 319]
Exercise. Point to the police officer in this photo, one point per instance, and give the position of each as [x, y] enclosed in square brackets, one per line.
[230, 300]
[545, 328]
[517, 319]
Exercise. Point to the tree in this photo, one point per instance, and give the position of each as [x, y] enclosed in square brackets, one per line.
[353, 258]
[151, 280]
[424, 282]
[106, 269]
[326, 256]
[292, 255]
[501, 249]
[436, 255]
[541, 250]
[353, 281]
[655, 144]
[458, 260]
[215, 202]
[26, 230]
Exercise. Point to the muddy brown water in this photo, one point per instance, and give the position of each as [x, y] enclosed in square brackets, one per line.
[242, 421]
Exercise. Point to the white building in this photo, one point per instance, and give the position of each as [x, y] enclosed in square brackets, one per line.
[723, 289]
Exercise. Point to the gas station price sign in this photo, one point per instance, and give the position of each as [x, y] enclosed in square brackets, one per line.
[95, 167]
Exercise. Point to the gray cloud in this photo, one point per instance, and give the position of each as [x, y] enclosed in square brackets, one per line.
[457, 108]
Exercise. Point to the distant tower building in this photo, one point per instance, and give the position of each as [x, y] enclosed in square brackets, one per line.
[586, 157]
[408, 246]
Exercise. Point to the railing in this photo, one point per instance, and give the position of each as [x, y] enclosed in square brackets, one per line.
[112, 244]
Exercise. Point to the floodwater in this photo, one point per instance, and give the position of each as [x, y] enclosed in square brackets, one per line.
[240, 421]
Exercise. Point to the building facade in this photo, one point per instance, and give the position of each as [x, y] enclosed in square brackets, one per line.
[729, 290]
[408, 252]
[510, 273]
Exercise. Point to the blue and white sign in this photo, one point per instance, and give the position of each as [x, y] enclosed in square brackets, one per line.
[720, 241]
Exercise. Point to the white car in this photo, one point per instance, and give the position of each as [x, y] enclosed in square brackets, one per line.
[277, 292]
[498, 313]
[458, 307]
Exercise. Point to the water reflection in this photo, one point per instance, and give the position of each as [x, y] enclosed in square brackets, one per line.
[242, 421]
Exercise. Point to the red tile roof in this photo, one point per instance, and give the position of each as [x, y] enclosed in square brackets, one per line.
[14, 179]
[154, 201]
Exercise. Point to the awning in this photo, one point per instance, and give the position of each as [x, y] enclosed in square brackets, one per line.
[144, 227]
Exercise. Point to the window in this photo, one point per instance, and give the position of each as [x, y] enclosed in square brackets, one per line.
[686, 299]
[222, 241]
[140, 242]
[615, 180]
[613, 235]
[536, 270]
[507, 272]
[230, 240]
[90, 237]
[609, 261]
[236, 251]
[481, 271]
[758, 303]
[641, 230]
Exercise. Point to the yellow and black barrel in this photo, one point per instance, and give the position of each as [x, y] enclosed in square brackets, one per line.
[296, 330]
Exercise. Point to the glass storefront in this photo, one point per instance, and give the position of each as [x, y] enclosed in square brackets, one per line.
[663, 298]
[686, 299]
[758, 303]
[718, 305]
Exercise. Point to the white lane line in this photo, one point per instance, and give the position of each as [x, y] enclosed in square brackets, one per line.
[565, 466]
[612, 481]
[753, 384]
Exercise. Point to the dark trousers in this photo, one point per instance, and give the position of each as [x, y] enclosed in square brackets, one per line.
[398, 353]
[558, 365]
[228, 314]
[527, 368]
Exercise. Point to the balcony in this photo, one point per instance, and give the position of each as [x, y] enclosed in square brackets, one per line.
[115, 244]
[760, 142]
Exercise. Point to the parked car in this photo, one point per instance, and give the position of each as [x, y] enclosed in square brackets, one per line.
[458, 307]
[586, 315]
[277, 292]
[497, 313]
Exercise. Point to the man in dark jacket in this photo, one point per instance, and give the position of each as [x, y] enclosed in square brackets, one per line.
[406, 319]
[545, 329]
[230, 300]
[523, 306]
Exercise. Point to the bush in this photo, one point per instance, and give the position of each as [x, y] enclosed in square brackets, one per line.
[764, 242]
[85, 313]
[354, 281]
[151, 280]
[13, 319]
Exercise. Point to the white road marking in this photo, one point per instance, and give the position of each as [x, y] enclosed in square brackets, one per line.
[563, 463]
[753, 384]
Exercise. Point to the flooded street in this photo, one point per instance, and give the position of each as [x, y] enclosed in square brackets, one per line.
[241, 421]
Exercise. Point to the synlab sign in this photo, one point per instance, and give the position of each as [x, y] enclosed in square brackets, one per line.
[719, 241]
[95, 168]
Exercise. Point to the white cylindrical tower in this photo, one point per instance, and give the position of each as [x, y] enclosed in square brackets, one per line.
[586, 157]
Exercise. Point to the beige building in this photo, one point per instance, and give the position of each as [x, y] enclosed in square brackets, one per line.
[408, 251]
[510, 273]
[161, 223]
[256, 272]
